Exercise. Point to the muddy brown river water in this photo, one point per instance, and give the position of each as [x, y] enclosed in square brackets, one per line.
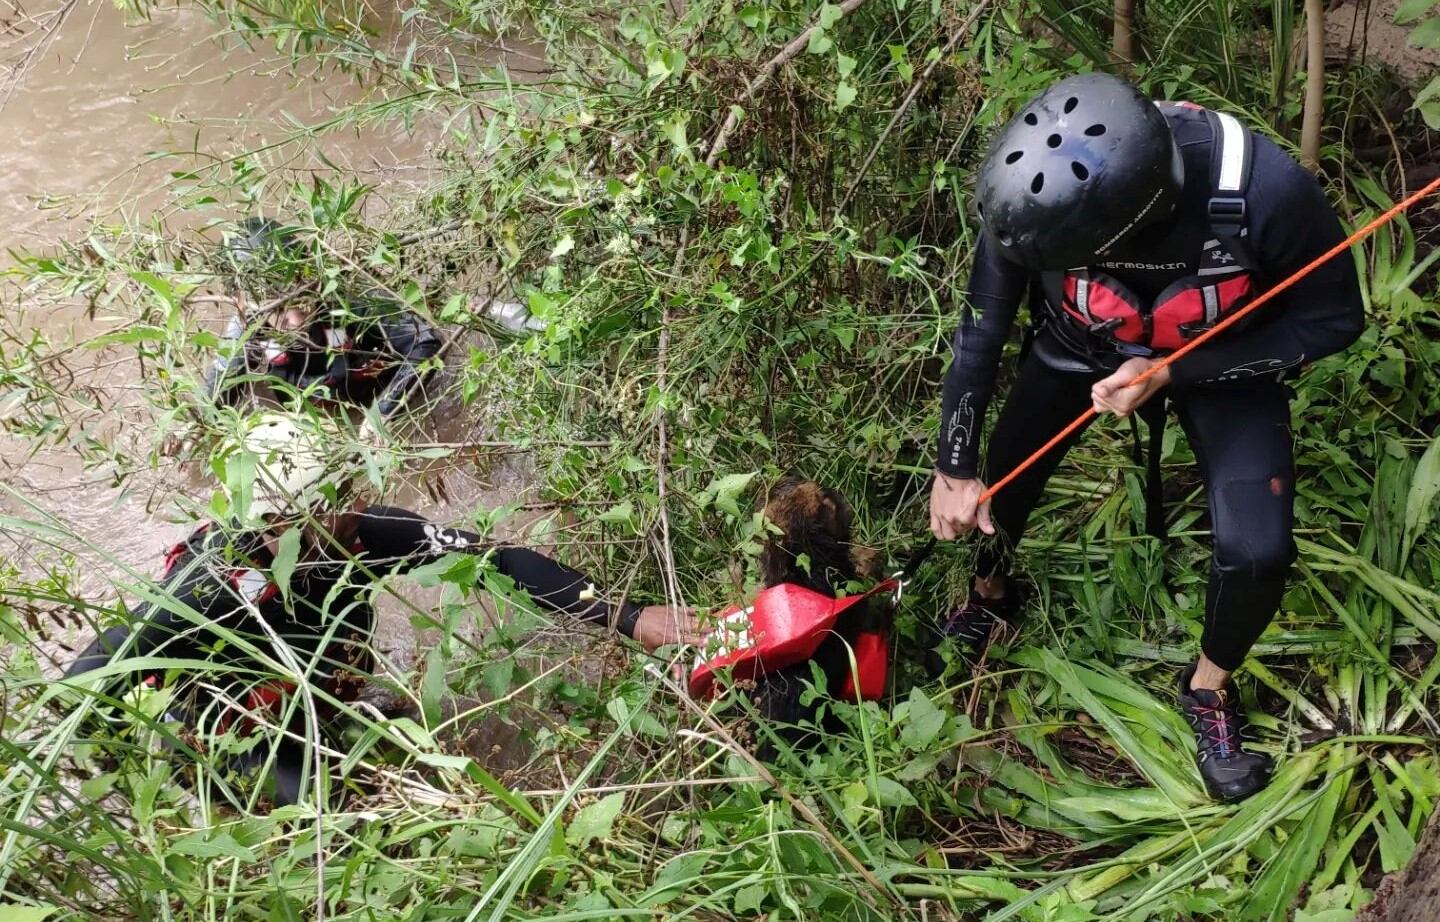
[82, 129]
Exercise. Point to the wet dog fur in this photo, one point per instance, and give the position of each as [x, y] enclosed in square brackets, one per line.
[814, 549]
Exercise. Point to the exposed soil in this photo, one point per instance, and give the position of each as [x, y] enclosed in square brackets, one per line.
[1366, 29]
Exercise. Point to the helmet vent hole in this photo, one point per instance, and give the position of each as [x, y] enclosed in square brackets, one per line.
[1037, 183]
[1070, 105]
[1095, 131]
[1053, 141]
[1030, 119]
[1014, 156]
[1079, 170]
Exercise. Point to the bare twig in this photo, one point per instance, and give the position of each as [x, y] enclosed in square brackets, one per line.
[768, 70]
[909, 100]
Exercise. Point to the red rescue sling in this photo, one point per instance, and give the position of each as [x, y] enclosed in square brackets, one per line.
[1224, 282]
[784, 626]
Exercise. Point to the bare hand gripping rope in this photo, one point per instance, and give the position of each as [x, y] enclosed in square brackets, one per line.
[1220, 327]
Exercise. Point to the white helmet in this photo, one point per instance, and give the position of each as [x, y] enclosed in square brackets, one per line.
[290, 463]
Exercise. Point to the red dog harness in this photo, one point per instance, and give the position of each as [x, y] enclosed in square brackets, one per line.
[1224, 282]
[784, 626]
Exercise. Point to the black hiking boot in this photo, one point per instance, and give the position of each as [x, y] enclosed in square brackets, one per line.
[971, 623]
[974, 620]
[1230, 773]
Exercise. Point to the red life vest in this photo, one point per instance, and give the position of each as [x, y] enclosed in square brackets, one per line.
[1224, 282]
[786, 625]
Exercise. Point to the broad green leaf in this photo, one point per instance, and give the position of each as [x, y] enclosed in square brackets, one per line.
[1427, 34]
[540, 305]
[819, 42]
[844, 64]
[678, 875]
[749, 899]
[155, 283]
[594, 821]
[432, 685]
[921, 767]
[1424, 490]
[891, 793]
[829, 15]
[11, 912]
[621, 514]
[1411, 10]
[675, 131]
[441, 760]
[727, 491]
[844, 95]
[565, 245]
[197, 845]
[923, 721]
[287, 553]
[1427, 102]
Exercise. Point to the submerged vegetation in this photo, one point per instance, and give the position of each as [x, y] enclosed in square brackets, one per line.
[740, 229]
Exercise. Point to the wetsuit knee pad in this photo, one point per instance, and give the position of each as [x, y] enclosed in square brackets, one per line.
[1253, 526]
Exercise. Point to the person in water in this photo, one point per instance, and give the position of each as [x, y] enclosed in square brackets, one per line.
[355, 348]
[220, 596]
[1132, 227]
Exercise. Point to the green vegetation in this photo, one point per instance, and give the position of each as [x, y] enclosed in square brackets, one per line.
[741, 269]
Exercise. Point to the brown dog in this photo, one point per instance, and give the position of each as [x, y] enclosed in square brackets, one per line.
[814, 549]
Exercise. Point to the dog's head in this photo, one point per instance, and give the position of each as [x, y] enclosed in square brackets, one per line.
[813, 546]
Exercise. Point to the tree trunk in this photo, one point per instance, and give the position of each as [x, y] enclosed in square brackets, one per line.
[1314, 83]
[1122, 47]
[1413, 894]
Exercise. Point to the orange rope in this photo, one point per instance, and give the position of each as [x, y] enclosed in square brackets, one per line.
[1223, 325]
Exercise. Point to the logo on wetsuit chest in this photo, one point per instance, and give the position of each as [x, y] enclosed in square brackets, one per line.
[1146, 267]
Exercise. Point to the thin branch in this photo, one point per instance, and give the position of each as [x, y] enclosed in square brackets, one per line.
[770, 68]
[909, 100]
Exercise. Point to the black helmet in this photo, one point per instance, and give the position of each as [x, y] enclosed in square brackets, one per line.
[261, 255]
[1080, 168]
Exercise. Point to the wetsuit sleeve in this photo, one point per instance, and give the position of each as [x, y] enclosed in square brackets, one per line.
[1291, 223]
[219, 376]
[403, 540]
[993, 298]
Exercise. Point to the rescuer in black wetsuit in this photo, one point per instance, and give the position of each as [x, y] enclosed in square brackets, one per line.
[1131, 227]
[220, 579]
[357, 347]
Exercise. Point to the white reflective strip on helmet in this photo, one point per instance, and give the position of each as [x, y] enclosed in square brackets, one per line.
[1232, 153]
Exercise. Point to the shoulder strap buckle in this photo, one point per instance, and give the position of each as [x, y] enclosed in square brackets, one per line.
[1227, 215]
